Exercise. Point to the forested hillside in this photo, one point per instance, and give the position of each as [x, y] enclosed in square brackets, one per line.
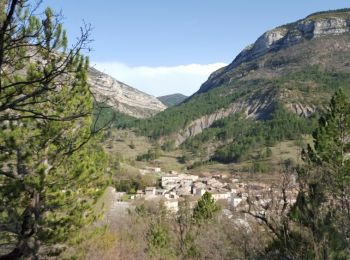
[172, 100]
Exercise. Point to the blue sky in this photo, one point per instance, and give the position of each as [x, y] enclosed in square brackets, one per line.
[164, 46]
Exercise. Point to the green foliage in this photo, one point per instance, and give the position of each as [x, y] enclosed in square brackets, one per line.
[248, 135]
[71, 201]
[326, 81]
[184, 221]
[172, 100]
[261, 167]
[205, 208]
[268, 152]
[158, 235]
[105, 115]
[184, 158]
[151, 155]
[131, 184]
[168, 146]
[52, 169]
[320, 217]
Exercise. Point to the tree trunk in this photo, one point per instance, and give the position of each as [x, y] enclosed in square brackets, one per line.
[30, 220]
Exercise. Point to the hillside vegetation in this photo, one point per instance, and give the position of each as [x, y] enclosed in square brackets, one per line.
[172, 100]
[234, 137]
[277, 91]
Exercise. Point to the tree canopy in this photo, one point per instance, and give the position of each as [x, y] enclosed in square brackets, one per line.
[50, 170]
[205, 208]
[320, 218]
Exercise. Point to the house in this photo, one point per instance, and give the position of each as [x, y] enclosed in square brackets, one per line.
[199, 192]
[150, 191]
[189, 177]
[169, 181]
[139, 194]
[186, 182]
[221, 195]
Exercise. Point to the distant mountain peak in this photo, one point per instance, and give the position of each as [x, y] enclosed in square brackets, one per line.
[172, 99]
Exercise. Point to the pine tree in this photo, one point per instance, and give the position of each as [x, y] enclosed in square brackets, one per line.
[50, 169]
[205, 208]
[320, 218]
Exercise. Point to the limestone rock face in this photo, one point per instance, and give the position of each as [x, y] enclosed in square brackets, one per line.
[331, 26]
[312, 27]
[122, 97]
[282, 37]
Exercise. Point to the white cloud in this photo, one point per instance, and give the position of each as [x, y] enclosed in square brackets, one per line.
[159, 81]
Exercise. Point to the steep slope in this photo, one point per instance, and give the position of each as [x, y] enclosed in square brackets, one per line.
[172, 100]
[122, 97]
[320, 39]
[299, 65]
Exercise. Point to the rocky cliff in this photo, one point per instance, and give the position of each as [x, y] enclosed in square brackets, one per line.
[122, 97]
[313, 27]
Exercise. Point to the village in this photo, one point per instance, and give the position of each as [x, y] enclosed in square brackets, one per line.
[230, 191]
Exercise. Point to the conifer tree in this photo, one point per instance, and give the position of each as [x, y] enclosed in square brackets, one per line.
[320, 218]
[205, 208]
[50, 173]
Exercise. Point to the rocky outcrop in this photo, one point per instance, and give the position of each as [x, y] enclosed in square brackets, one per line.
[122, 97]
[283, 37]
[252, 107]
[301, 109]
[314, 26]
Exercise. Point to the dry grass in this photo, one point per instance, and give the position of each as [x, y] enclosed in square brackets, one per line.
[126, 143]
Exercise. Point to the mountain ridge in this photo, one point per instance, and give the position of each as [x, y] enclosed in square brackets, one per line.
[172, 99]
[122, 97]
[315, 25]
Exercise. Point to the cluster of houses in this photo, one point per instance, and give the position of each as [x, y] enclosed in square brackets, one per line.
[178, 186]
